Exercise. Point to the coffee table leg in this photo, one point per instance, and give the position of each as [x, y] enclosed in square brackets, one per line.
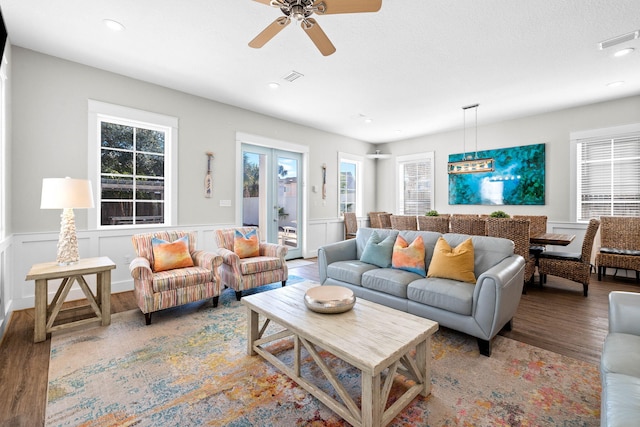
[371, 400]
[252, 330]
[423, 360]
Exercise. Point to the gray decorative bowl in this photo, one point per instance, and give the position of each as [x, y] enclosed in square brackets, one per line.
[329, 299]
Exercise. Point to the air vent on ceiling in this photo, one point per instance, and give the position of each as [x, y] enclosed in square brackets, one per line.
[292, 76]
[619, 39]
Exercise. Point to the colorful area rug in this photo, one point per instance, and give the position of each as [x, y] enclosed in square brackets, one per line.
[190, 368]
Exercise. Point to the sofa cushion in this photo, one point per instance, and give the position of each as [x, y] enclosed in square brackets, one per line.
[257, 264]
[453, 263]
[409, 257]
[171, 255]
[388, 280]
[621, 354]
[620, 397]
[378, 250]
[246, 245]
[450, 295]
[349, 271]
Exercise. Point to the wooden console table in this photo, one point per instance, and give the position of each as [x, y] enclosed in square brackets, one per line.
[100, 302]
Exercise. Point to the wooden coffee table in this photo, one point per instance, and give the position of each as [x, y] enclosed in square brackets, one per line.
[370, 337]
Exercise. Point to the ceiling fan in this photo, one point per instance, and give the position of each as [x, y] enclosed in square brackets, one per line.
[301, 10]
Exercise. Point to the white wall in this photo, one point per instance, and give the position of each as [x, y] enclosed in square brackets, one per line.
[552, 129]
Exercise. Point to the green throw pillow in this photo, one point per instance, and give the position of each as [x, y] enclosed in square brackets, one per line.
[378, 251]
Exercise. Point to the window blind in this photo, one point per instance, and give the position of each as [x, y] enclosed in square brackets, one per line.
[608, 176]
[416, 178]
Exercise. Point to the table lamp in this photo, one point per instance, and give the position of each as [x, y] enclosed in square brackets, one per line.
[66, 194]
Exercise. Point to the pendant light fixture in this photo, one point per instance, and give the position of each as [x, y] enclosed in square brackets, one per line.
[469, 163]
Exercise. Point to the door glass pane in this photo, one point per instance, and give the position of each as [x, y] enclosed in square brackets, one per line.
[252, 189]
[287, 201]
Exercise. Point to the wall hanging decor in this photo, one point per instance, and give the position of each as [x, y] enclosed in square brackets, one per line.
[208, 180]
[518, 178]
[324, 181]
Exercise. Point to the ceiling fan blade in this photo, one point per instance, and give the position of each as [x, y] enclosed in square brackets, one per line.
[270, 32]
[317, 36]
[351, 6]
[267, 2]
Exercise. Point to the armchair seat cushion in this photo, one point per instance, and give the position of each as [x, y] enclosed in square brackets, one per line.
[259, 263]
[621, 354]
[176, 279]
[614, 251]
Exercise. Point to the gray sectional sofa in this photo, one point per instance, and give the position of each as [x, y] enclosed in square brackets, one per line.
[480, 310]
[620, 362]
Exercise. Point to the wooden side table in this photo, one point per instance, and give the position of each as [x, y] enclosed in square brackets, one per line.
[100, 303]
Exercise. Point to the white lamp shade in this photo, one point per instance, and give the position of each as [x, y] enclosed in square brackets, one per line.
[62, 193]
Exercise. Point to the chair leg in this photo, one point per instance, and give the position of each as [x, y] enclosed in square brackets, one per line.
[147, 318]
[585, 289]
[601, 270]
[238, 295]
[637, 276]
[215, 301]
[284, 282]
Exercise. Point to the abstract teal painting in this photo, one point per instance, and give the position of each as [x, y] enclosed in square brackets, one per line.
[518, 178]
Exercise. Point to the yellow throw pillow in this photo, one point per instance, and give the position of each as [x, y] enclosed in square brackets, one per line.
[246, 246]
[170, 255]
[454, 264]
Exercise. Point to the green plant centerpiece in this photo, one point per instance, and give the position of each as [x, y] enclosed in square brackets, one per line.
[499, 214]
[432, 213]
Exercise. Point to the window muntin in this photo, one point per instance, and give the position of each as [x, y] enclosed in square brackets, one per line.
[608, 174]
[415, 184]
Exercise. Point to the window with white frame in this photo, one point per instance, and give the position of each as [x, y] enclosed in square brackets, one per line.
[349, 184]
[607, 172]
[132, 154]
[415, 184]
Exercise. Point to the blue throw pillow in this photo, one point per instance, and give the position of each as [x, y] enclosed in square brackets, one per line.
[378, 251]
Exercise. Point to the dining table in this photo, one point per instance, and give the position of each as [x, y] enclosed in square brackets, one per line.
[556, 239]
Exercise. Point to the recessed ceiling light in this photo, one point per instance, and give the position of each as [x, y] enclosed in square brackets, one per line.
[623, 52]
[274, 85]
[368, 120]
[113, 25]
[615, 84]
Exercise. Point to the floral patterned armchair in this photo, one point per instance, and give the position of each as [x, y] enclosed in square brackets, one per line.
[156, 290]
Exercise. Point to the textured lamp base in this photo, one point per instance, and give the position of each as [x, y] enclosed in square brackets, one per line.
[67, 242]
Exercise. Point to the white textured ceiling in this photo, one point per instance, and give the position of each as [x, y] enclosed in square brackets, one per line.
[409, 67]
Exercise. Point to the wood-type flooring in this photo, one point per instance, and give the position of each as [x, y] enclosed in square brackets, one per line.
[555, 317]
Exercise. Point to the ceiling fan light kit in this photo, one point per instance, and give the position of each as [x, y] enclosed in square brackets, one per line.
[301, 11]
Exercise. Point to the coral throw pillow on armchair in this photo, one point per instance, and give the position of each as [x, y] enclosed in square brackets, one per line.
[246, 245]
[170, 255]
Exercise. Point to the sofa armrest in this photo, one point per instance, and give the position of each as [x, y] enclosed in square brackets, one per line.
[497, 294]
[624, 312]
[339, 251]
[274, 250]
[140, 269]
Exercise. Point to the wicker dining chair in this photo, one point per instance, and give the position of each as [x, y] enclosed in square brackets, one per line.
[385, 220]
[572, 266]
[538, 226]
[438, 223]
[350, 225]
[374, 219]
[516, 230]
[404, 222]
[620, 244]
[467, 224]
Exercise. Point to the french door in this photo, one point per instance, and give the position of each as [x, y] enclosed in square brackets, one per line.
[271, 199]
